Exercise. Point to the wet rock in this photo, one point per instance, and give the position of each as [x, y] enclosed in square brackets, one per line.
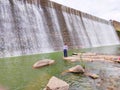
[77, 69]
[72, 58]
[42, 63]
[74, 53]
[118, 61]
[3, 88]
[111, 88]
[57, 84]
[87, 54]
[93, 76]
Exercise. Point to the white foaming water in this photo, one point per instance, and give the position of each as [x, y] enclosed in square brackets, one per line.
[6, 28]
[58, 36]
[41, 30]
[86, 32]
[100, 34]
[29, 28]
[23, 29]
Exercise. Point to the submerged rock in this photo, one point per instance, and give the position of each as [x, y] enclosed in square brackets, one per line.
[93, 76]
[74, 53]
[118, 61]
[57, 84]
[42, 63]
[87, 54]
[3, 88]
[77, 69]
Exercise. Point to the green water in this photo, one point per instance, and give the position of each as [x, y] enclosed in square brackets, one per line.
[16, 73]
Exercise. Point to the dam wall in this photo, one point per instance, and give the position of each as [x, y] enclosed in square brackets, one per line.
[41, 26]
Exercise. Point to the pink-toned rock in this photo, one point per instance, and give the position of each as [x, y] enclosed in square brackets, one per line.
[118, 61]
[57, 84]
[72, 58]
[42, 63]
[111, 88]
[77, 69]
[3, 88]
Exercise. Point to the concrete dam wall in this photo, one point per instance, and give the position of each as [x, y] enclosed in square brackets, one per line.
[40, 26]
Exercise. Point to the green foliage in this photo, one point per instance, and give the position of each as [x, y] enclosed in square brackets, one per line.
[82, 63]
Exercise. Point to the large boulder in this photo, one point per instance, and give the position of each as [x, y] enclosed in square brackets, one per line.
[77, 69]
[57, 84]
[42, 63]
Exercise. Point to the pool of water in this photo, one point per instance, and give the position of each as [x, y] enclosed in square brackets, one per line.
[16, 73]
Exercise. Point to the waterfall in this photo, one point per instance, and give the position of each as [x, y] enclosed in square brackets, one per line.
[89, 31]
[40, 26]
[100, 32]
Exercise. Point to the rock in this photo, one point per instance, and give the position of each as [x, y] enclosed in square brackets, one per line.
[77, 69]
[57, 84]
[3, 88]
[93, 76]
[111, 88]
[87, 54]
[42, 63]
[44, 89]
[74, 53]
[72, 58]
[118, 61]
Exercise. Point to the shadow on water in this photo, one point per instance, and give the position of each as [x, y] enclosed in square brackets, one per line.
[17, 73]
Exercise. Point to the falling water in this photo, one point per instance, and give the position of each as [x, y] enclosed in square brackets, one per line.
[76, 30]
[32, 27]
[89, 31]
[100, 32]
